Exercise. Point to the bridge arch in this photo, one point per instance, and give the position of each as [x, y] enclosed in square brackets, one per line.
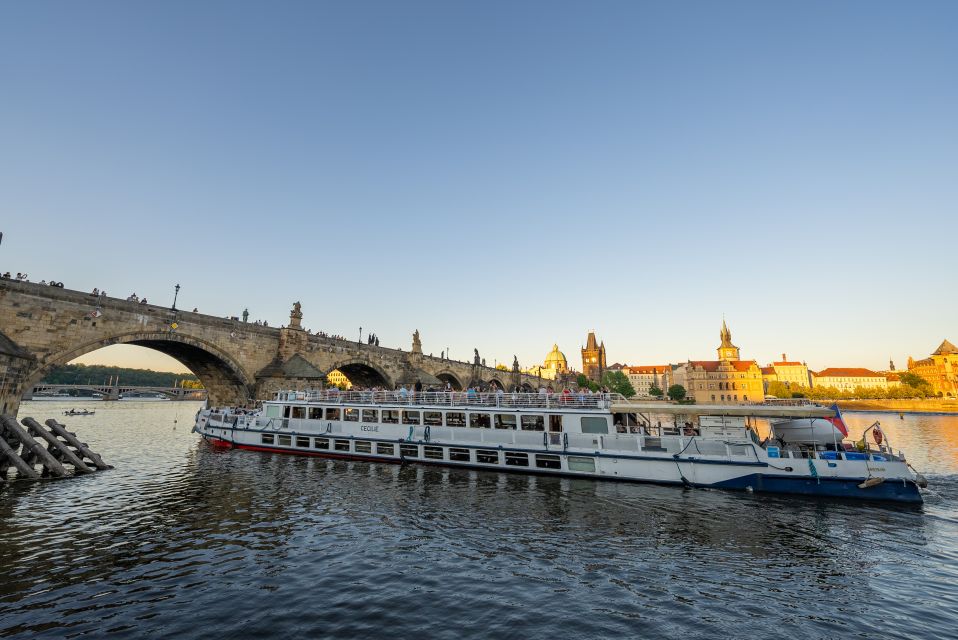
[451, 378]
[364, 374]
[226, 382]
[497, 383]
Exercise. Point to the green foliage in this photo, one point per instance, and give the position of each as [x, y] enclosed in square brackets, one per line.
[617, 382]
[677, 392]
[915, 381]
[584, 383]
[783, 390]
[655, 392]
[99, 374]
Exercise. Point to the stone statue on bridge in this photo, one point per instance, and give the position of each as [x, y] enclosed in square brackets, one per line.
[416, 342]
[296, 316]
[475, 359]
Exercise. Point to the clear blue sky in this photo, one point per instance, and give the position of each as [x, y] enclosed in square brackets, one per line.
[500, 175]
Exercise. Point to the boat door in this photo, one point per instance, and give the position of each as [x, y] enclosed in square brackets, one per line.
[555, 430]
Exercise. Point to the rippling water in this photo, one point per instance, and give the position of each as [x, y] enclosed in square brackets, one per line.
[182, 540]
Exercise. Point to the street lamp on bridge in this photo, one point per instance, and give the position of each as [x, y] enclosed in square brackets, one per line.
[176, 292]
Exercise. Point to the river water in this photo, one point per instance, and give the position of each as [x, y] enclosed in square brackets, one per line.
[183, 540]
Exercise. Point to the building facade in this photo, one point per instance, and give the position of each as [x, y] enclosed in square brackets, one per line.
[593, 358]
[940, 369]
[847, 379]
[790, 372]
[728, 380]
[645, 377]
[555, 365]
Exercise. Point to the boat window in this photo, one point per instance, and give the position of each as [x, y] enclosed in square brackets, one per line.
[505, 421]
[480, 420]
[302, 442]
[546, 461]
[351, 415]
[514, 459]
[455, 419]
[321, 443]
[364, 446]
[578, 463]
[533, 423]
[370, 415]
[341, 445]
[409, 450]
[285, 441]
[385, 449]
[286, 411]
[433, 453]
[273, 411]
[432, 418]
[332, 413]
[487, 456]
[459, 455]
[267, 438]
[299, 413]
[391, 416]
[315, 413]
[591, 424]
[410, 417]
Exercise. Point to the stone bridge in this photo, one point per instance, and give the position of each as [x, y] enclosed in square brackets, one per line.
[43, 327]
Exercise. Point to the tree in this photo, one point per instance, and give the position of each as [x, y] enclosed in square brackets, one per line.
[617, 382]
[584, 383]
[677, 393]
[655, 392]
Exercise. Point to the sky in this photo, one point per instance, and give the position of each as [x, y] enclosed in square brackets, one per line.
[498, 175]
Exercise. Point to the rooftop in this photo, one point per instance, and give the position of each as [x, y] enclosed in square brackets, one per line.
[850, 372]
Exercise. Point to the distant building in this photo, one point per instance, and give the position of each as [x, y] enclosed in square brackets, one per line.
[940, 369]
[338, 378]
[893, 380]
[726, 380]
[644, 377]
[593, 358]
[789, 372]
[849, 379]
[554, 366]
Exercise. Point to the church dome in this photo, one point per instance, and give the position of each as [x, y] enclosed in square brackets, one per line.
[556, 360]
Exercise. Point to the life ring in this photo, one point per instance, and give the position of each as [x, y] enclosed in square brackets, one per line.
[878, 435]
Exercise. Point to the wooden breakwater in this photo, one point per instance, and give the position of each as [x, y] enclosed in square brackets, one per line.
[36, 451]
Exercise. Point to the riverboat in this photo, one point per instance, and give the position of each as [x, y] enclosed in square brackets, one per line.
[601, 436]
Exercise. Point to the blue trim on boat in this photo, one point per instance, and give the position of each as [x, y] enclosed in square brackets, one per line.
[888, 491]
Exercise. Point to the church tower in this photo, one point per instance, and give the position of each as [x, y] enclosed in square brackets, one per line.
[593, 358]
[727, 350]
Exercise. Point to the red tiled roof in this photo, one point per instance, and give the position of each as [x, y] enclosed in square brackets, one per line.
[853, 372]
[787, 363]
[713, 365]
[647, 368]
[768, 370]
[892, 377]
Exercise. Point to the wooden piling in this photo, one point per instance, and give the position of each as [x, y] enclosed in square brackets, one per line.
[9, 454]
[35, 428]
[35, 448]
[61, 431]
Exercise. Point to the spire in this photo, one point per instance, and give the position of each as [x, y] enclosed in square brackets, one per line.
[725, 335]
[945, 349]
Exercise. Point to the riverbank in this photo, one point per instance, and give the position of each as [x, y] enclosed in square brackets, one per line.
[900, 406]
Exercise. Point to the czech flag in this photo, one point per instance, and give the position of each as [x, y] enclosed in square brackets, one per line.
[837, 420]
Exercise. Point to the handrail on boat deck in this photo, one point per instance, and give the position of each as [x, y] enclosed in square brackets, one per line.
[457, 398]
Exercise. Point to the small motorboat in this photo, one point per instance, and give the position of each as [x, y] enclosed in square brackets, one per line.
[79, 412]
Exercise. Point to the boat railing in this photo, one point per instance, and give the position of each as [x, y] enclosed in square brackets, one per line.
[456, 399]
